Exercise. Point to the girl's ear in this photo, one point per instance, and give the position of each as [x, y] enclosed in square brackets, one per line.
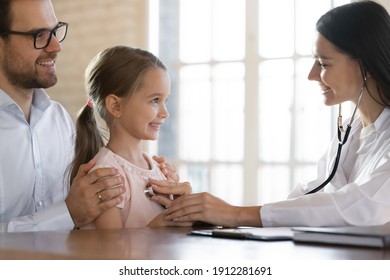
[113, 105]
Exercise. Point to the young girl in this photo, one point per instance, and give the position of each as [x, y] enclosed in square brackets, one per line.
[128, 88]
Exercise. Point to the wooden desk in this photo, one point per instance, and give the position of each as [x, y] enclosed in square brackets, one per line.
[165, 244]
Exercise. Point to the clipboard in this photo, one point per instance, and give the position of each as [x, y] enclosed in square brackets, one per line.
[247, 233]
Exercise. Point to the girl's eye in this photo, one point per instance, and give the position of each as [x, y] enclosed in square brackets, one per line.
[159, 100]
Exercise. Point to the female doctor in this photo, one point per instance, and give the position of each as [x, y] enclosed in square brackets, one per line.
[351, 63]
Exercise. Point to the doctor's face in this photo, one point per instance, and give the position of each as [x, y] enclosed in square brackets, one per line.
[338, 75]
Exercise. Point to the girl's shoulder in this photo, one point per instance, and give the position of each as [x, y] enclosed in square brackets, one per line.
[105, 158]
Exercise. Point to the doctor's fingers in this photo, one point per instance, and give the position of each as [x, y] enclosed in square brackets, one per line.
[167, 187]
[188, 214]
[205, 208]
[162, 199]
[189, 204]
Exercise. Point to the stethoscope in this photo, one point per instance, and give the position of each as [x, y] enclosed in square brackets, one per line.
[148, 191]
[340, 130]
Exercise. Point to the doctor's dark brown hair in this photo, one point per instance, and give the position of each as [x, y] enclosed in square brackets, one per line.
[118, 70]
[362, 31]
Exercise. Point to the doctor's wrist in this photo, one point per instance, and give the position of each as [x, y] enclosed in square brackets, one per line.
[249, 216]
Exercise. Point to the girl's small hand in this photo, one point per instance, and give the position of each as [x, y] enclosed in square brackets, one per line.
[160, 221]
[169, 170]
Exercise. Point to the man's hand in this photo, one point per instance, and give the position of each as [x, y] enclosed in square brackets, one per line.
[93, 193]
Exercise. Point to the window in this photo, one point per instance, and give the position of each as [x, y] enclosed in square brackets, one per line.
[245, 124]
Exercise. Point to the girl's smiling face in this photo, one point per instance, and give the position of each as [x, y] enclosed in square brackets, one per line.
[145, 110]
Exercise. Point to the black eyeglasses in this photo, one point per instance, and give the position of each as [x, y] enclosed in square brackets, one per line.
[42, 37]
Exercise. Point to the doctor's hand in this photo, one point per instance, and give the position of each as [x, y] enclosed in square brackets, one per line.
[167, 191]
[213, 210]
[93, 193]
[169, 170]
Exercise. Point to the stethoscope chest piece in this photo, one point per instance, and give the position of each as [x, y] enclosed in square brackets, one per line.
[148, 191]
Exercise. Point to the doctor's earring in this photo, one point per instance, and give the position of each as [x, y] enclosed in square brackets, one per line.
[366, 75]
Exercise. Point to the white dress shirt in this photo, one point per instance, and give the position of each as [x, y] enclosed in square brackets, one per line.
[359, 194]
[33, 159]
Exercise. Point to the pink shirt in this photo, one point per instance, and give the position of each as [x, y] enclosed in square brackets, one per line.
[136, 209]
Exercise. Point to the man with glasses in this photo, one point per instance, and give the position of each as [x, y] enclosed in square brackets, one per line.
[42, 37]
[36, 133]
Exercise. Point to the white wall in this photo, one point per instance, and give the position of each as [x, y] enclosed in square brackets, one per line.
[93, 26]
[385, 3]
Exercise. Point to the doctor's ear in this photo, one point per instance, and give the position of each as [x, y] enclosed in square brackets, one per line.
[113, 105]
[366, 74]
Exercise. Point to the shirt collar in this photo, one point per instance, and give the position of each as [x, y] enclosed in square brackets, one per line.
[40, 99]
[5, 99]
[381, 123]
[383, 120]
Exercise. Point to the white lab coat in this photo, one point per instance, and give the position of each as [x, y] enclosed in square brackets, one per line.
[359, 194]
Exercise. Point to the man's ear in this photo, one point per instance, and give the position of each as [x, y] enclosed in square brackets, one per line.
[113, 105]
[2, 47]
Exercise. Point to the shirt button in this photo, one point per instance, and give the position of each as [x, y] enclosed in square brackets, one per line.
[40, 203]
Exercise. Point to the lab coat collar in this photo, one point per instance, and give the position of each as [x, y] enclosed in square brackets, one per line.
[382, 122]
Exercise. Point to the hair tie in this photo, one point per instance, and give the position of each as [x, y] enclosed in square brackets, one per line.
[90, 103]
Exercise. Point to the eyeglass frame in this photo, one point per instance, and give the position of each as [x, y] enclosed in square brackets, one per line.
[35, 34]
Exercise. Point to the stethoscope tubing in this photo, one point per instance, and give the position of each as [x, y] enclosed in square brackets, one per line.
[341, 141]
